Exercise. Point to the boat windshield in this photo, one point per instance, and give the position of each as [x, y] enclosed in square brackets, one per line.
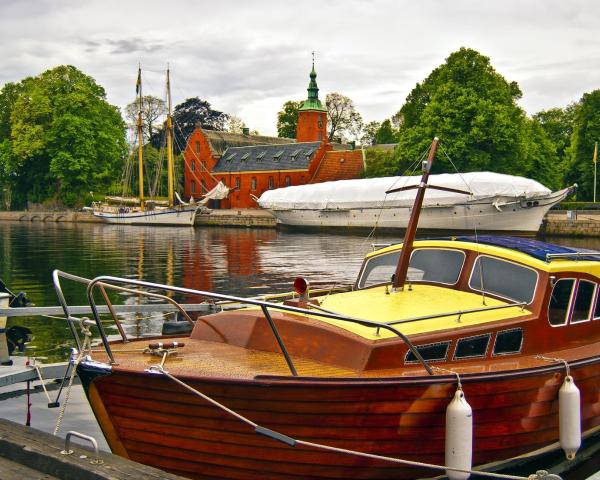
[427, 264]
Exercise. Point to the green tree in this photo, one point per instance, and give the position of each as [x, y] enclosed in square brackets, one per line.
[473, 110]
[368, 133]
[385, 133]
[64, 138]
[287, 119]
[586, 132]
[342, 116]
[380, 163]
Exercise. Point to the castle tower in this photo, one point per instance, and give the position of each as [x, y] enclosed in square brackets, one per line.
[312, 116]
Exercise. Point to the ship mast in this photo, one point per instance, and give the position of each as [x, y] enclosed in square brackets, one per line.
[140, 138]
[169, 127]
[411, 229]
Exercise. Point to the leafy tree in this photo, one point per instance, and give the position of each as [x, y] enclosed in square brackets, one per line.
[287, 119]
[342, 116]
[153, 108]
[558, 123]
[585, 133]
[191, 112]
[64, 138]
[368, 133]
[473, 110]
[385, 133]
[380, 163]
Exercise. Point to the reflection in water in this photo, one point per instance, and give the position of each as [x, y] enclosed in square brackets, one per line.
[245, 262]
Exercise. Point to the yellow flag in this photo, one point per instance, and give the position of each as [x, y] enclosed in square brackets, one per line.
[595, 152]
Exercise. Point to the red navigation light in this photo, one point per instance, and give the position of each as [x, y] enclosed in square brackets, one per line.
[300, 286]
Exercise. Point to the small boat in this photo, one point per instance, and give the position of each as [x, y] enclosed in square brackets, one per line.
[496, 203]
[138, 211]
[451, 356]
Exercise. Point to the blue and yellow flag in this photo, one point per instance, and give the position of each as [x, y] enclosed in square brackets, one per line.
[138, 83]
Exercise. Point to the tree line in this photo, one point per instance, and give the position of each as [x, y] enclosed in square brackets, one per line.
[60, 139]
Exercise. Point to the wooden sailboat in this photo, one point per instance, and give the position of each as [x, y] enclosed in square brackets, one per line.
[446, 356]
[150, 212]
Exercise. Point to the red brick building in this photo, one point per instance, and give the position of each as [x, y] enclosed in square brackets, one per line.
[251, 164]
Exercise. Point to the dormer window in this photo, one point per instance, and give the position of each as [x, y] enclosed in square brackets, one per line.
[295, 154]
[245, 156]
[278, 155]
[261, 155]
[230, 157]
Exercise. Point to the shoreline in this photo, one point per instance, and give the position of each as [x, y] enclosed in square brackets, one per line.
[582, 223]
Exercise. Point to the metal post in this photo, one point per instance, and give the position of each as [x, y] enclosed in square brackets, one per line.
[4, 356]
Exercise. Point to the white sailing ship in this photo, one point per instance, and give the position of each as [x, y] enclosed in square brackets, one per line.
[494, 202]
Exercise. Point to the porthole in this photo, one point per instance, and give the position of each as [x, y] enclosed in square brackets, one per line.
[430, 352]
[472, 347]
[508, 342]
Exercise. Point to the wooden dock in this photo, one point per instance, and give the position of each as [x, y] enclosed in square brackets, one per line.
[27, 453]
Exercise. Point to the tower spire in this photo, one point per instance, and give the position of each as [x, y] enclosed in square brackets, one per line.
[313, 102]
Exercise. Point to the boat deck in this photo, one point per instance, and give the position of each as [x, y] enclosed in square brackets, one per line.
[219, 360]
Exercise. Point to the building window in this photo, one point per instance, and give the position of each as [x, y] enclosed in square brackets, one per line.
[320, 123]
[271, 183]
[238, 183]
[193, 166]
[203, 185]
[288, 181]
[253, 183]
[193, 185]
[197, 147]
[203, 166]
[320, 136]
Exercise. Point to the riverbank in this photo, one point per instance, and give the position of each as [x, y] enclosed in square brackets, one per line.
[582, 223]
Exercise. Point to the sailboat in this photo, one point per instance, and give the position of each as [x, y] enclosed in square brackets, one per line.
[149, 212]
[459, 356]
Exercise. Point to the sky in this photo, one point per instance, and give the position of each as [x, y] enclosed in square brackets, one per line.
[248, 58]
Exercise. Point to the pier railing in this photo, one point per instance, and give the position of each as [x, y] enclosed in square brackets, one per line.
[104, 283]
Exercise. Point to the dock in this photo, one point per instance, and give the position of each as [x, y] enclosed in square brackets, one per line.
[28, 453]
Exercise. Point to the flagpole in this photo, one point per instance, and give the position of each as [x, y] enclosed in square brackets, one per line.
[595, 167]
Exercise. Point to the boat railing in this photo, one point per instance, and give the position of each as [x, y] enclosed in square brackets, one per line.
[571, 255]
[104, 283]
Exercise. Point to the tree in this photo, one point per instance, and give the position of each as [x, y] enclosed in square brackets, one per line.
[342, 116]
[368, 133]
[385, 133]
[585, 133]
[558, 123]
[64, 138]
[380, 163]
[287, 119]
[153, 108]
[473, 110]
[191, 112]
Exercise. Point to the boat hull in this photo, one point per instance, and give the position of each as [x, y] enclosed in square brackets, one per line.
[180, 216]
[500, 215]
[159, 423]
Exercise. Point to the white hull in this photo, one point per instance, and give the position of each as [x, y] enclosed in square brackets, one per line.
[177, 216]
[496, 214]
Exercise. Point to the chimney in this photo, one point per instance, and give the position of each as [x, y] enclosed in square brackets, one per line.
[246, 131]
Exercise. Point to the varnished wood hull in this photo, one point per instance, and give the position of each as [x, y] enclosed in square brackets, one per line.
[159, 423]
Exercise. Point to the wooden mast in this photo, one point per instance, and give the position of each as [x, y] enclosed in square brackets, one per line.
[140, 139]
[170, 169]
[411, 229]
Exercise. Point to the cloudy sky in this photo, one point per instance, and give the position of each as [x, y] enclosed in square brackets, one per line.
[247, 58]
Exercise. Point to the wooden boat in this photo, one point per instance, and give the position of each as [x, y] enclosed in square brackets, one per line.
[139, 211]
[446, 352]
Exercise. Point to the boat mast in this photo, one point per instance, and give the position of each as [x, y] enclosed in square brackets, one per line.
[140, 138]
[411, 229]
[169, 127]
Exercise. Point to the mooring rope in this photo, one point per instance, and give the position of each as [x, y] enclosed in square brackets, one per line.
[540, 475]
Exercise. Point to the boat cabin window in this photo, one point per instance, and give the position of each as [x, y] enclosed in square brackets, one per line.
[429, 352]
[427, 264]
[508, 341]
[503, 278]
[472, 347]
[583, 301]
[560, 301]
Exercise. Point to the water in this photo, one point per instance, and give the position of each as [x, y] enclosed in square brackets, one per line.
[225, 260]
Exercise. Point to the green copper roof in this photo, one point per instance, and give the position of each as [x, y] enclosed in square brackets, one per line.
[313, 102]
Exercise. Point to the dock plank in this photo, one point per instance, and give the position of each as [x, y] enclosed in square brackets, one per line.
[40, 452]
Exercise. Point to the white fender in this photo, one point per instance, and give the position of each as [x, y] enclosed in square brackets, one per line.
[459, 436]
[569, 415]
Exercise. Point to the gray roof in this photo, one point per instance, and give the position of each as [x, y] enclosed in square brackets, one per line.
[220, 141]
[292, 156]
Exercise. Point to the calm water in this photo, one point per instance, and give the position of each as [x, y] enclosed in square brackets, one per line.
[225, 260]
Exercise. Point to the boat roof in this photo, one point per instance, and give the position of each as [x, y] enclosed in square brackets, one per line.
[529, 251]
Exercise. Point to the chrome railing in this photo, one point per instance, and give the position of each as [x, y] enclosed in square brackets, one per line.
[103, 283]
